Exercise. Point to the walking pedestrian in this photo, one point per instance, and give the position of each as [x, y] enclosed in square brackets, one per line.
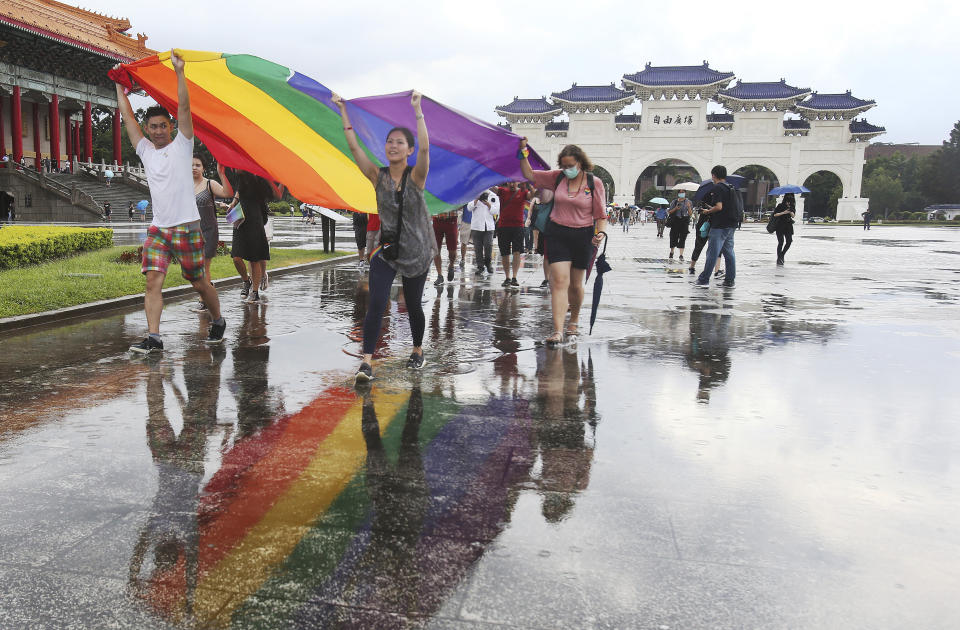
[625, 218]
[485, 211]
[867, 216]
[723, 223]
[577, 218]
[407, 246]
[445, 226]
[510, 231]
[661, 216]
[250, 242]
[678, 216]
[466, 218]
[107, 211]
[130, 210]
[175, 229]
[205, 192]
[785, 211]
[360, 220]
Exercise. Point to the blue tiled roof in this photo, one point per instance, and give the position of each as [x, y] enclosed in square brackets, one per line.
[627, 118]
[528, 106]
[719, 117]
[862, 126]
[834, 101]
[796, 123]
[593, 94]
[557, 126]
[505, 126]
[763, 91]
[657, 76]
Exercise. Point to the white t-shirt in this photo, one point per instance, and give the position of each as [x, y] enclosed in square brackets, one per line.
[170, 175]
[484, 219]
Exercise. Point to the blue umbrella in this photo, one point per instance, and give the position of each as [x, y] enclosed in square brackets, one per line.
[142, 204]
[782, 190]
[602, 267]
[737, 181]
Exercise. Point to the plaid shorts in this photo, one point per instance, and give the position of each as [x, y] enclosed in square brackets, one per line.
[181, 242]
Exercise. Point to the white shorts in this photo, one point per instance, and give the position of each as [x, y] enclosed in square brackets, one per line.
[465, 234]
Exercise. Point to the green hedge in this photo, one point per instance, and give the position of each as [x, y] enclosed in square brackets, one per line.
[30, 245]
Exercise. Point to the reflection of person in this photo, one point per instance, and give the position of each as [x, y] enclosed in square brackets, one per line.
[574, 229]
[565, 449]
[785, 211]
[175, 230]
[256, 406]
[709, 349]
[679, 212]
[171, 531]
[723, 223]
[397, 185]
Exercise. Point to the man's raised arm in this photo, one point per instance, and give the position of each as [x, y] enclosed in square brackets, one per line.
[134, 132]
[184, 118]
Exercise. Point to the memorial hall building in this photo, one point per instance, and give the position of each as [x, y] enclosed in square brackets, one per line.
[793, 132]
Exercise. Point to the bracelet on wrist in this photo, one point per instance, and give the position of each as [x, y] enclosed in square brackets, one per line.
[348, 128]
[419, 116]
[523, 153]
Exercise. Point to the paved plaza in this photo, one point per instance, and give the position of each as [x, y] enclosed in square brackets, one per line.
[778, 455]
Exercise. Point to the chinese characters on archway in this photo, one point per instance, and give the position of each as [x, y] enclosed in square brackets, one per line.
[672, 120]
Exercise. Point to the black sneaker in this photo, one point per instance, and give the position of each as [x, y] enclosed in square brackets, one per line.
[415, 362]
[505, 283]
[148, 345]
[215, 334]
[514, 283]
[719, 273]
[728, 285]
[364, 373]
[245, 291]
[670, 256]
[692, 270]
[544, 284]
[254, 298]
[450, 273]
[681, 257]
[439, 280]
[490, 269]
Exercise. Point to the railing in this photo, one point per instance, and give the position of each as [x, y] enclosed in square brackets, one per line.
[71, 193]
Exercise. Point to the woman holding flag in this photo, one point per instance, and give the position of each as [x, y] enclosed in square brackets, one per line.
[407, 244]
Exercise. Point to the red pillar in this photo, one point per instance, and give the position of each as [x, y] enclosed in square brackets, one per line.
[88, 131]
[68, 137]
[76, 141]
[36, 135]
[55, 132]
[16, 125]
[3, 143]
[117, 151]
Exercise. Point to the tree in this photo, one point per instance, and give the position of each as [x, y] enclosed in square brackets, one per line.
[941, 180]
[885, 192]
[103, 138]
[825, 189]
[664, 169]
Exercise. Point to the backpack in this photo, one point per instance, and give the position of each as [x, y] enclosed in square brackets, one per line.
[737, 199]
[541, 211]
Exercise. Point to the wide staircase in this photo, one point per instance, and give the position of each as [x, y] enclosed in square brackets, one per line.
[118, 193]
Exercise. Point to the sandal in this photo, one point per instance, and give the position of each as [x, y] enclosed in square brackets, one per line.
[555, 339]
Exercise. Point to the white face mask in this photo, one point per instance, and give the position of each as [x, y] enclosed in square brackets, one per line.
[571, 172]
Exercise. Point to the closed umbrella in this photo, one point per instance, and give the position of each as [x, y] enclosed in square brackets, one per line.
[602, 267]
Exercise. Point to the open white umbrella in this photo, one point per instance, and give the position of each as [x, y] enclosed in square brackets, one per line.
[659, 200]
[688, 186]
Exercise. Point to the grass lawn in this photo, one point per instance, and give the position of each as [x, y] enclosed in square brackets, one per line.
[96, 276]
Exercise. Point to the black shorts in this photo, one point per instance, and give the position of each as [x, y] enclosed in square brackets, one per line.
[569, 244]
[510, 237]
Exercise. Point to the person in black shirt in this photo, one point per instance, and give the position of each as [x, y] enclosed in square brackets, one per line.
[723, 223]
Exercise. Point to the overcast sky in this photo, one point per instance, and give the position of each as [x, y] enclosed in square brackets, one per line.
[476, 55]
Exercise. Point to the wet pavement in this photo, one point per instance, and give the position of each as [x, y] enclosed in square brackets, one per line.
[779, 455]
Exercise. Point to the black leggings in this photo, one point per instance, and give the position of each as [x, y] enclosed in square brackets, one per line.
[381, 279]
[781, 248]
[697, 247]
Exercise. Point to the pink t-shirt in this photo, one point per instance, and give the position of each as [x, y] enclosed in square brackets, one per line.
[578, 211]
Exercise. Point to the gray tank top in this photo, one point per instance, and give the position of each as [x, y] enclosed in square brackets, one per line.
[207, 209]
[417, 242]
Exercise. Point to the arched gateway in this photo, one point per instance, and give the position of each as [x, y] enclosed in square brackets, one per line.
[674, 123]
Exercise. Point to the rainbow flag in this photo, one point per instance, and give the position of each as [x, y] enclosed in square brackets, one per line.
[264, 118]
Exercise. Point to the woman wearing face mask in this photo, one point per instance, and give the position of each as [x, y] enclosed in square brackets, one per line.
[576, 221]
[785, 211]
[415, 237]
[679, 220]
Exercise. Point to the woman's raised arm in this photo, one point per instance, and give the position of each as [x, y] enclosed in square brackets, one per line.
[368, 168]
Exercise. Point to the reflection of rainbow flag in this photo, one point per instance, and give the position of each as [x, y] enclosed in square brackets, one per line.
[262, 117]
[289, 508]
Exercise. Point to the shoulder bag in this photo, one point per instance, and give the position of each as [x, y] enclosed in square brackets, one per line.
[390, 242]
